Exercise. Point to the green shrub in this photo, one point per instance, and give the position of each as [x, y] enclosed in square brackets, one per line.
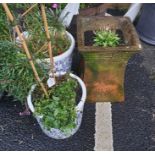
[16, 75]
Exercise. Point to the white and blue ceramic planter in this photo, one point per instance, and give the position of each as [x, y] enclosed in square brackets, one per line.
[57, 133]
[62, 62]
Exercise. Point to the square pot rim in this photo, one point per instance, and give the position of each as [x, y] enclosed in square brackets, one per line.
[125, 48]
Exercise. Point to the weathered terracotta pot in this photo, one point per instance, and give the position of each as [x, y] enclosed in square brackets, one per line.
[105, 67]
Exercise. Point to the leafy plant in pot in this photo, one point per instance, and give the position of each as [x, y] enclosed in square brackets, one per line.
[106, 43]
[58, 115]
[54, 102]
[106, 38]
[63, 42]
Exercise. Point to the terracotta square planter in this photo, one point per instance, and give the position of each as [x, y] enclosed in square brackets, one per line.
[105, 67]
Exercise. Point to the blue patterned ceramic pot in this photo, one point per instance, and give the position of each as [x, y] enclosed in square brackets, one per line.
[62, 62]
[57, 133]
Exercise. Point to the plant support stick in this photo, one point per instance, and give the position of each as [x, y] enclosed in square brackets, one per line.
[48, 37]
[28, 10]
[11, 18]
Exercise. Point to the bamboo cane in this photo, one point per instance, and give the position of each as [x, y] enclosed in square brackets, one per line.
[11, 18]
[28, 10]
[48, 37]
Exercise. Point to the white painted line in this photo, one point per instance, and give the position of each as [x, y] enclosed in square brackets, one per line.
[103, 127]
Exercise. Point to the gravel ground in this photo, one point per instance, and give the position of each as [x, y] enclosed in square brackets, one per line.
[23, 133]
[133, 120]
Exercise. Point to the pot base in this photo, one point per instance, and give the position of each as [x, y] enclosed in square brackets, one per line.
[58, 134]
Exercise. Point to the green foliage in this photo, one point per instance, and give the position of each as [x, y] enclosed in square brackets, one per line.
[16, 75]
[60, 41]
[5, 33]
[58, 110]
[6, 30]
[106, 38]
[34, 25]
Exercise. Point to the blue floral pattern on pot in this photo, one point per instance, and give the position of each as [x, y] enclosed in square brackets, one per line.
[63, 65]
